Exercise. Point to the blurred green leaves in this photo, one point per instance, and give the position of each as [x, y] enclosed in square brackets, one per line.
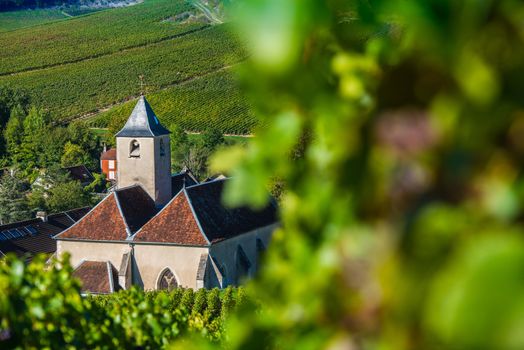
[402, 196]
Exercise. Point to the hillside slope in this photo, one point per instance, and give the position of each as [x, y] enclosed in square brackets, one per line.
[83, 65]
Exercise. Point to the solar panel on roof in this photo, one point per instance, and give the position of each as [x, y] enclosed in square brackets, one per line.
[7, 234]
[15, 233]
[21, 232]
[2, 237]
[31, 230]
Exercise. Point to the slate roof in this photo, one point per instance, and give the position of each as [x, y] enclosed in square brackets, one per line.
[196, 216]
[185, 178]
[116, 217]
[98, 277]
[142, 122]
[37, 234]
[109, 154]
[219, 222]
[80, 173]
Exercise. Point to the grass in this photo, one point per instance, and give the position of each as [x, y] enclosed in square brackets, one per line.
[12, 20]
[93, 35]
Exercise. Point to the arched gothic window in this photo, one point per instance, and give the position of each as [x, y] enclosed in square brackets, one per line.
[162, 148]
[134, 149]
[261, 248]
[167, 280]
[242, 265]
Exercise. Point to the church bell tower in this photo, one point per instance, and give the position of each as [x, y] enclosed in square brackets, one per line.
[143, 153]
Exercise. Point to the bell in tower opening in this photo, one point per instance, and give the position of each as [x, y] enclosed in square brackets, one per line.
[142, 155]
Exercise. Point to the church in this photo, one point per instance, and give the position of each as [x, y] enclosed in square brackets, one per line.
[159, 230]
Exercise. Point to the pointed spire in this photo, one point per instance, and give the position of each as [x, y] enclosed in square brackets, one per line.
[142, 122]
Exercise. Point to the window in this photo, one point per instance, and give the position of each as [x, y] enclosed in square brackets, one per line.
[111, 175]
[162, 148]
[134, 149]
[242, 265]
[111, 164]
[167, 280]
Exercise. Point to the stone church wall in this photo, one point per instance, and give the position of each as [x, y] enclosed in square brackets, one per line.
[95, 251]
[225, 253]
[151, 260]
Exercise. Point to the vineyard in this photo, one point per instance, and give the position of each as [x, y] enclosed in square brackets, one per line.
[90, 36]
[46, 303]
[26, 18]
[85, 86]
[211, 100]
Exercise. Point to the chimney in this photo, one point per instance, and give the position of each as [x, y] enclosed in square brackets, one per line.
[41, 215]
[105, 147]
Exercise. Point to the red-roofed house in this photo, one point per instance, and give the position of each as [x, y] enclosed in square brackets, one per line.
[161, 231]
[108, 163]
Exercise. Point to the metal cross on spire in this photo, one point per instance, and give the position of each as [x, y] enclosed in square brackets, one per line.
[142, 84]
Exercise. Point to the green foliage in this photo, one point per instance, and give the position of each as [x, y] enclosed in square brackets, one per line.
[41, 306]
[402, 213]
[10, 99]
[13, 206]
[212, 138]
[73, 155]
[54, 191]
[67, 196]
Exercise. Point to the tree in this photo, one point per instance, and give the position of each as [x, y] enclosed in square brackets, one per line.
[10, 99]
[35, 130]
[14, 132]
[73, 155]
[212, 138]
[66, 196]
[13, 204]
[179, 147]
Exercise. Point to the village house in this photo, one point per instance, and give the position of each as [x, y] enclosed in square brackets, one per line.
[35, 236]
[162, 231]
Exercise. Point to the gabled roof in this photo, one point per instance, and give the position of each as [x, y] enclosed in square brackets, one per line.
[136, 205]
[98, 277]
[109, 154]
[116, 217]
[80, 173]
[219, 222]
[196, 216]
[173, 224]
[185, 178]
[142, 122]
[36, 235]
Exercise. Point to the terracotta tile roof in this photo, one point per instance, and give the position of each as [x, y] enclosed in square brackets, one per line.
[109, 154]
[36, 235]
[174, 224]
[220, 222]
[98, 277]
[123, 211]
[198, 209]
[104, 222]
